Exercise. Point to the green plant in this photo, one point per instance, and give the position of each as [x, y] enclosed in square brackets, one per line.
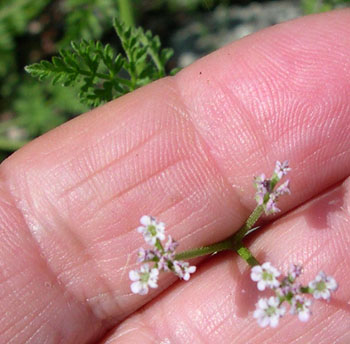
[100, 72]
[30, 31]
[314, 6]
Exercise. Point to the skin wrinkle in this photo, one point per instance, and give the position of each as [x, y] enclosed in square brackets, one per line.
[197, 231]
[16, 322]
[65, 293]
[88, 128]
[127, 190]
[153, 176]
[36, 330]
[260, 141]
[204, 147]
[125, 267]
[88, 306]
[116, 160]
[200, 132]
[85, 259]
[215, 321]
[99, 140]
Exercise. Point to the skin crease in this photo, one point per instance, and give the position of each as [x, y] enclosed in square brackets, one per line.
[185, 150]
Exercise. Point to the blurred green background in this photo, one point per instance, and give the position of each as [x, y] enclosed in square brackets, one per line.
[31, 31]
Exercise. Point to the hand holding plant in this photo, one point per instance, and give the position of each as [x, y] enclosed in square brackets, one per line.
[185, 150]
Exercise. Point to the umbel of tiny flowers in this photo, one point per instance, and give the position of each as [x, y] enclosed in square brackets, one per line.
[161, 254]
[265, 195]
[287, 291]
[270, 310]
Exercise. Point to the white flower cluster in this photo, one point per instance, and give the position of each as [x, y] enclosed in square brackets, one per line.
[162, 255]
[265, 195]
[270, 310]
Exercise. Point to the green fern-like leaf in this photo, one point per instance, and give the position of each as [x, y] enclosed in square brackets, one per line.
[100, 72]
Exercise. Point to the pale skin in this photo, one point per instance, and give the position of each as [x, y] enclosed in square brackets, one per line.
[185, 150]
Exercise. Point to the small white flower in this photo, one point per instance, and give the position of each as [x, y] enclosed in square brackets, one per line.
[322, 286]
[268, 312]
[183, 269]
[282, 168]
[266, 276]
[143, 279]
[151, 229]
[301, 306]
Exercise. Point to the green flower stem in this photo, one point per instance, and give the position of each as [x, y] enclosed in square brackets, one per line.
[205, 250]
[245, 253]
[306, 290]
[254, 216]
[126, 12]
[234, 242]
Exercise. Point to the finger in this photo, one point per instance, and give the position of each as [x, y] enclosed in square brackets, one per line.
[184, 150]
[217, 304]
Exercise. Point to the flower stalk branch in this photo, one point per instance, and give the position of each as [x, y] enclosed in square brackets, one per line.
[161, 257]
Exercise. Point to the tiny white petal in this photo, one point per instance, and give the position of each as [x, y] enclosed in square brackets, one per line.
[134, 275]
[262, 303]
[256, 272]
[146, 220]
[136, 287]
[274, 321]
[263, 321]
[192, 269]
[304, 316]
[261, 285]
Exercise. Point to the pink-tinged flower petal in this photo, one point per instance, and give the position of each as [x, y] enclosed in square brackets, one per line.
[283, 189]
[183, 269]
[281, 168]
[295, 271]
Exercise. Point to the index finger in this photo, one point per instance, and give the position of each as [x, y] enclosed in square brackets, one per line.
[183, 149]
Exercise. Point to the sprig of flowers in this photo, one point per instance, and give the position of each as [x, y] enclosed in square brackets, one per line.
[287, 291]
[266, 196]
[270, 310]
[161, 254]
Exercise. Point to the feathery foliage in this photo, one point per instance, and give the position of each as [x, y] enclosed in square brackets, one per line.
[100, 72]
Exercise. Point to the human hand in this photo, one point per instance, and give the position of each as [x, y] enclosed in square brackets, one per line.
[185, 149]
